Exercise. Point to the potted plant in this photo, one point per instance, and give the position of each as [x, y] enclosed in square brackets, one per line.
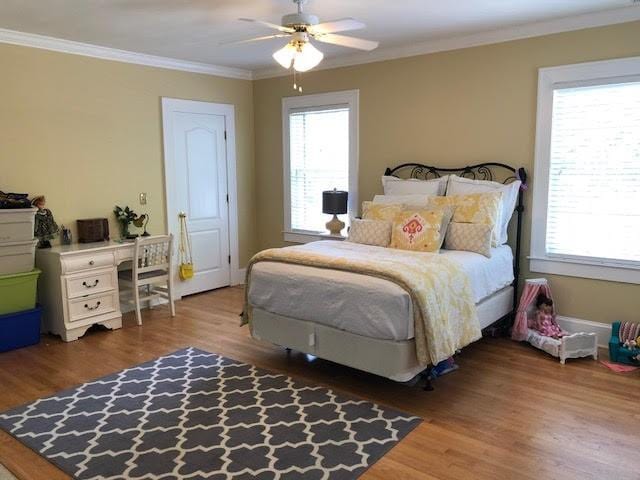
[124, 216]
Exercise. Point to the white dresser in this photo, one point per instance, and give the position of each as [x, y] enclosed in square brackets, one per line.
[78, 286]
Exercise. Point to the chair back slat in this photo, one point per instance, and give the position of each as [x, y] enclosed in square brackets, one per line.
[152, 253]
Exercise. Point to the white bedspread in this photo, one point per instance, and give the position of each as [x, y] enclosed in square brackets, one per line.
[360, 304]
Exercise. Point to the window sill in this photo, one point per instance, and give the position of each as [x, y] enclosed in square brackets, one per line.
[307, 237]
[575, 268]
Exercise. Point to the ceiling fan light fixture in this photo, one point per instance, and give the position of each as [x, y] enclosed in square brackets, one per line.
[302, 55]
[306, 57]
[285, 55]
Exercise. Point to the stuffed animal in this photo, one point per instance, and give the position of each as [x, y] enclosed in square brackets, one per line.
[630, 344]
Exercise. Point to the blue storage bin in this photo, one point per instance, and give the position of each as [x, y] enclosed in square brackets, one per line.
[20, 329]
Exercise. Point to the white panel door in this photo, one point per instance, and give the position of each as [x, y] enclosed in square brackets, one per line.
[196, 178]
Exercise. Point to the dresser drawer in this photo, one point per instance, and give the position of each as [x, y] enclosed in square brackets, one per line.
[78, 263]
[90, 283]
[85, 307]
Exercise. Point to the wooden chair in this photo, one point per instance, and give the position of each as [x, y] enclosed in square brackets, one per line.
[152, 265]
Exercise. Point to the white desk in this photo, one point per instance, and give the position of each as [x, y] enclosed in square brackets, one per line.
[78, 286]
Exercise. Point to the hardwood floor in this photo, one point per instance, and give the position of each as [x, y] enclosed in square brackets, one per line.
[510, 412]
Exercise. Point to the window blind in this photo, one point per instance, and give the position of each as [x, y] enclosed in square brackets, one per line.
[319, 160]
[594, 176]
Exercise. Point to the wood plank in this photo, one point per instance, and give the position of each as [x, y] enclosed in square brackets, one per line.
[510, 411]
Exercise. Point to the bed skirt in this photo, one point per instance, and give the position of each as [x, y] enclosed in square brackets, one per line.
[395, 360]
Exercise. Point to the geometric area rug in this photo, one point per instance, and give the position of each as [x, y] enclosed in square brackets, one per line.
[196, 415]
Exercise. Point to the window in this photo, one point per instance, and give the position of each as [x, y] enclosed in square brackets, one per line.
[320, 153]
[586, 213]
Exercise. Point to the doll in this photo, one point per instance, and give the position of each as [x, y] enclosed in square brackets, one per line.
[630, 344]
[545, 318]
[45, 227]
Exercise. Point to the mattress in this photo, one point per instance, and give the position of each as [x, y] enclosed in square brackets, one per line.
[362, 304]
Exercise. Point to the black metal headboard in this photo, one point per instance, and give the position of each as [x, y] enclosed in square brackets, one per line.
[481, 171]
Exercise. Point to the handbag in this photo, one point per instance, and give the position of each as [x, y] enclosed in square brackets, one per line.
[185, 271]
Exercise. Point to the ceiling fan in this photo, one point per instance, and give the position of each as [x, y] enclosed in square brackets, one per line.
[301, 27]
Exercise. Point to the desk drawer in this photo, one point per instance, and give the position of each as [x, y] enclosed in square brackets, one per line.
[90, 283]
[85, 307]
[78, 263]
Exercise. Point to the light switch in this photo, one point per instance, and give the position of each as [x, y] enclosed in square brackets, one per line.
[143, 198]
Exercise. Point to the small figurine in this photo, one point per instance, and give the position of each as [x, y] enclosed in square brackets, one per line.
[45, 227]
[65, 236]
[546, 322]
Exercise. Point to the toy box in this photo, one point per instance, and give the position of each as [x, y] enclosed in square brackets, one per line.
[18, 291]
[20, 329]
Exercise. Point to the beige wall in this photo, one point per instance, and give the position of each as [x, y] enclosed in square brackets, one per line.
[449, 109]
[87, 133]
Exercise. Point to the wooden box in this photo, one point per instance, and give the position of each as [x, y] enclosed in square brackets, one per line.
[93, 230]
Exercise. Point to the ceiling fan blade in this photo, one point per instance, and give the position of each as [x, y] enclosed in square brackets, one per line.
[255, 39]
[269, 25]
[342, 25]
[344, 41]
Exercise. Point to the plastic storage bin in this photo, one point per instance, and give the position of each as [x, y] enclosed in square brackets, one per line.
[17, 257]
[16, 224]
[20, 329]
[18, 291]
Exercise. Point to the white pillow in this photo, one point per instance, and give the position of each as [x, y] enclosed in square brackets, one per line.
[462, 186]
[413, 186]
[408, 200]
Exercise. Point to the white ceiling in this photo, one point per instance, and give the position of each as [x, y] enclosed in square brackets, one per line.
[192, 30]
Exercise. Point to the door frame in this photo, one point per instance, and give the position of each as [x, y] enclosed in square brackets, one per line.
[171, 105]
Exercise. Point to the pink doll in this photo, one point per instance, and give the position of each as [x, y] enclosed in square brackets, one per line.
[545, 318]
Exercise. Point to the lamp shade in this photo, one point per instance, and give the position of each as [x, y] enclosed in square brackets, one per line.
[334, 202]
[307, 57]
[285, 55]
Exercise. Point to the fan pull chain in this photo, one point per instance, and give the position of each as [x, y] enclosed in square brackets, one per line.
[296, 86]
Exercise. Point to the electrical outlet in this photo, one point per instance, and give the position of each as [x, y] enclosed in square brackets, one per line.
[143, 198]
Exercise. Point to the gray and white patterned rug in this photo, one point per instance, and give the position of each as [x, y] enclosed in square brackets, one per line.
[193, 415]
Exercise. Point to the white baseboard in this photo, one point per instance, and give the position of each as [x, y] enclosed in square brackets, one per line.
[573, 325]
[238, 277]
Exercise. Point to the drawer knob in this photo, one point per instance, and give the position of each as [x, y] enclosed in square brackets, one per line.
[91, 262]
[92, 308]
[95, 284]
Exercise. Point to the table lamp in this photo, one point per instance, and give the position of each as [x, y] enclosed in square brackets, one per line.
[334, 202]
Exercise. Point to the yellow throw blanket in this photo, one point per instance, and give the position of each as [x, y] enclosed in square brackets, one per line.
[445, 317]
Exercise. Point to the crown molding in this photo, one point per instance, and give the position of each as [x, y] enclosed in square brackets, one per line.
[88, 50]
[529, 30]
[536, 29]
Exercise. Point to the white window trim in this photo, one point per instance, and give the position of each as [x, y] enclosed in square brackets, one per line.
[346, 97]
[609, 71]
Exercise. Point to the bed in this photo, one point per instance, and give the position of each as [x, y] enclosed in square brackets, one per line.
[367, 322]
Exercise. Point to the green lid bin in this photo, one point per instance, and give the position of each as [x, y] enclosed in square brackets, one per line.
[18, 291]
